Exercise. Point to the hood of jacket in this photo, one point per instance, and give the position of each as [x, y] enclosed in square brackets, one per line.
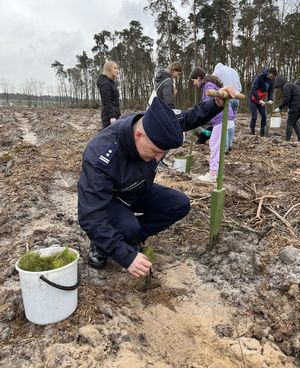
[279, 82]
[162, 75]
[218, 66]
[264, 74]
[103, 79]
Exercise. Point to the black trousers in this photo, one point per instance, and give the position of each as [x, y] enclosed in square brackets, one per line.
[262, 110]
[292, 123]
[160, 208]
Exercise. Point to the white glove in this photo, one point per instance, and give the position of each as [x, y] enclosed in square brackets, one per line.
[270, 102]
[277, 109]
[261, 102]
[112, 120]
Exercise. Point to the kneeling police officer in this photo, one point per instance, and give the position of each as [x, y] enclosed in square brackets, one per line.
[117, 181]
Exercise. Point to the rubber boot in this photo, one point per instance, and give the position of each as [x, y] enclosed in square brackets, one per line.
[252, 131]
[262, 132]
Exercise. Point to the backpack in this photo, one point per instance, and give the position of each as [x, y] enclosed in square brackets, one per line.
[154, 93]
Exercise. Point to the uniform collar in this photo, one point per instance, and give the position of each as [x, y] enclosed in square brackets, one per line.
[125, 133]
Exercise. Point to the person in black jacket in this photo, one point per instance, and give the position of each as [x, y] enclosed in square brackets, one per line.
[109, 93]
[164, 83]
[291, 99]
[262, 88]
[165, 88]
[118, 169]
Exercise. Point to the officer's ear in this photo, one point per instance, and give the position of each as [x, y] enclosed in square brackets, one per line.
[138, 130]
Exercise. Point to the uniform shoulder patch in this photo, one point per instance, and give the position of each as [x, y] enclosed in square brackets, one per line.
[108, 152]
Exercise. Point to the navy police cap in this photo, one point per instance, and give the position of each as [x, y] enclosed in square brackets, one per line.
[161, 126]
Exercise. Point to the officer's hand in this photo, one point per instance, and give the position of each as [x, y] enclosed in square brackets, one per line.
[261, 102]
[277, 109]
[270, 102]
[140, 265]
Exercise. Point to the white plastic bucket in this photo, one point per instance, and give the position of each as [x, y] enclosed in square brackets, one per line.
[180, 164]
[44, 303]
[275, 122]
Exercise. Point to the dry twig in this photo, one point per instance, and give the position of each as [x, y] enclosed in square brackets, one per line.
[290, 210]
[287, 224]
[258, 218]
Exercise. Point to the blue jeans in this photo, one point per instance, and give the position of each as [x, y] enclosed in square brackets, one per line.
[229, 138]
[234, 105]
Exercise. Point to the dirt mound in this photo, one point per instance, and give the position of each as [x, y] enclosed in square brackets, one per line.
[236, 305]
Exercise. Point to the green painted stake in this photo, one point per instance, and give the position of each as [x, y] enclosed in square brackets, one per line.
[218, 195]
[189, 157]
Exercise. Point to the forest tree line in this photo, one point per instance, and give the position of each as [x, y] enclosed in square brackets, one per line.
[247, 35]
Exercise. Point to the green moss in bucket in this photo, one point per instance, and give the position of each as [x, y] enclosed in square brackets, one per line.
[35, 262]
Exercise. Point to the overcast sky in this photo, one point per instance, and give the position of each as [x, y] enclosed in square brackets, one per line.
[35, 33]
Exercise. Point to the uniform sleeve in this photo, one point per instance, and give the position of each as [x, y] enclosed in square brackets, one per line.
[106, 98]
[198, 115]
[94, 197]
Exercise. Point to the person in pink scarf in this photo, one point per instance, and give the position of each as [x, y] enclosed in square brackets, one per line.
[205, 81]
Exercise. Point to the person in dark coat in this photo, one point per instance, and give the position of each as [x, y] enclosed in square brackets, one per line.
[165, 87]
[117, 181]
[262, 88]
[291, 99]
[165, 83]
[109, 93]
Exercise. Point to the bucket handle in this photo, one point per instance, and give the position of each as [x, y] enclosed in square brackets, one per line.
[61, 287]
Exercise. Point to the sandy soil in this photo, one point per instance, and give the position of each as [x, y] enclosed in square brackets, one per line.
[235, 306]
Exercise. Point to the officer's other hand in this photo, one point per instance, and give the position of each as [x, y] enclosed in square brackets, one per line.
[261, 102]
[270, 102]
[277, 109]
[140, 265]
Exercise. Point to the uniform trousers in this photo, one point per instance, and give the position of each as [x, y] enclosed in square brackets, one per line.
[159, 208]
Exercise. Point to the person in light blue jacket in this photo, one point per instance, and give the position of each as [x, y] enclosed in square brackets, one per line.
[229, 77]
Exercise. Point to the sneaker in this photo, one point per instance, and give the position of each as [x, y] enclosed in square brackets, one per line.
[226, 152]
[207, 178]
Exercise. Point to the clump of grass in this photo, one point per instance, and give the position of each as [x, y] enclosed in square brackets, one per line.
[35, 262]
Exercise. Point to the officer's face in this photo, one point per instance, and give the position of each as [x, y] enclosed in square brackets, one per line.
[147, 150]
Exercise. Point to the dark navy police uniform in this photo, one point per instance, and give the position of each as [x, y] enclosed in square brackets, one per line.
[115, 183]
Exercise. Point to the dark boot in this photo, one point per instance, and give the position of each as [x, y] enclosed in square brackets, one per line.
[252, 131]
[97, 259]
[262, 132]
